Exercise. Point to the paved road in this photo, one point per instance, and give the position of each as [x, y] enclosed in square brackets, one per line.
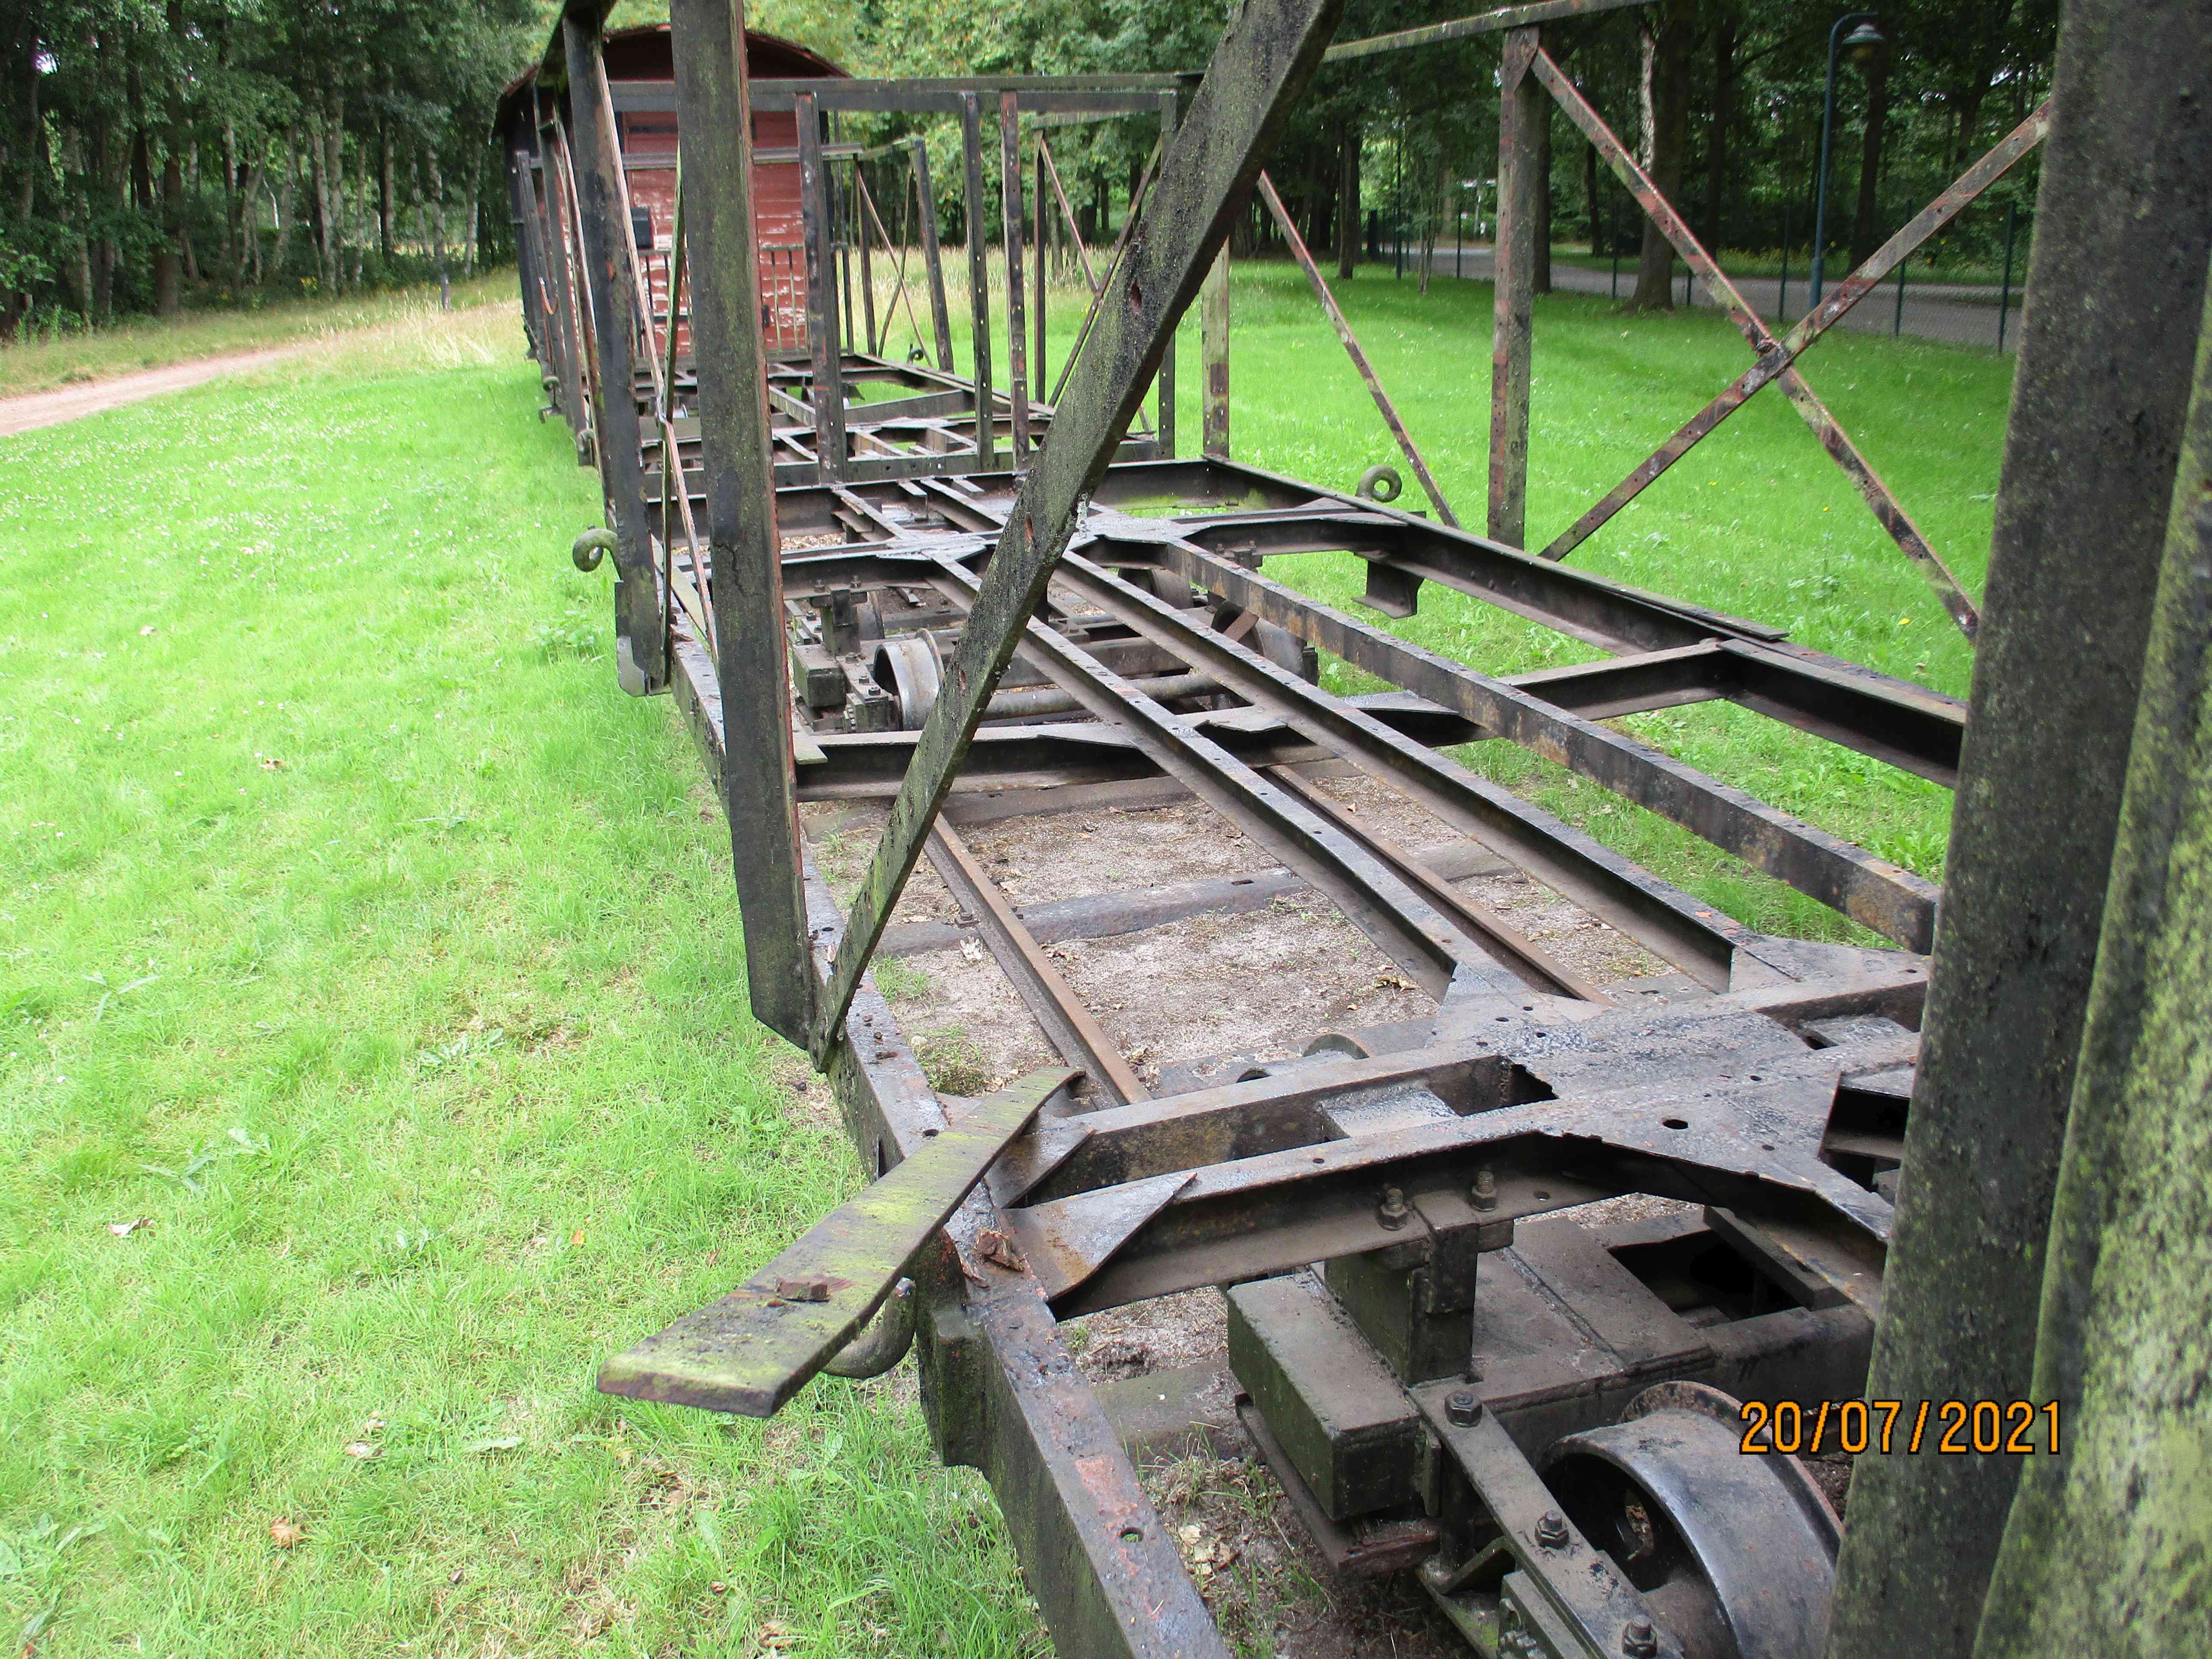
[34, 410]
[1961, 315]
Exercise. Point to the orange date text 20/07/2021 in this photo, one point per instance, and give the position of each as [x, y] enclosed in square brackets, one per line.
[1954, 1427]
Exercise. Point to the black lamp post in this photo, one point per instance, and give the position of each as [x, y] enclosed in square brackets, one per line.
[1863, 41]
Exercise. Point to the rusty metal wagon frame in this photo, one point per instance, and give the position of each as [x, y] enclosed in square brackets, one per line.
[841, 624]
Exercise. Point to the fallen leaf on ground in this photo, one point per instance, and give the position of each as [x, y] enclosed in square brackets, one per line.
[577, 1238]
[971, 951]
[125, 1229]
[284, 1533]
[504, 1443]
[359, 1449]
[144, 631]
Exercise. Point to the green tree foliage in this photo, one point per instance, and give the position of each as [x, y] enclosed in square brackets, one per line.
[153, 148]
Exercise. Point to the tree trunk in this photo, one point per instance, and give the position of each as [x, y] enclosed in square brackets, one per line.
[168, 259]
[1667, 60]
[1347, 204]
[1967, 96]
[1722, 115]
[1866, 222]
[287, 200]
[438, 226]
[141, 155]
[330, 189]
[476, 196]
[385, 204]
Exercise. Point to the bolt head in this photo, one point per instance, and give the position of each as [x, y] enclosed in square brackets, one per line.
[1463, 1407]
[1638, 1640]
[1552, 1529]
[1392, 1210]
[1484, 1194]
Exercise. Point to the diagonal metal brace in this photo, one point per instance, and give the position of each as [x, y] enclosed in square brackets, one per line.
[757, 1346]
[1885, 506]
[1266, 56]
[1931, 219]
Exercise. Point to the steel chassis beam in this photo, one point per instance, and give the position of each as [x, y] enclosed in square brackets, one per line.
[1265, 60]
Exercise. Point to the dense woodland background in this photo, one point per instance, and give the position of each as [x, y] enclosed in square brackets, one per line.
[161, 154]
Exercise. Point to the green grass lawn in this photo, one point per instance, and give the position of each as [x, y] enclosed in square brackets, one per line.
[39, 362]
[364, 942]
[374, 1052]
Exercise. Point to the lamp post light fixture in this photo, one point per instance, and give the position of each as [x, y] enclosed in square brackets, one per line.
[1863, 41]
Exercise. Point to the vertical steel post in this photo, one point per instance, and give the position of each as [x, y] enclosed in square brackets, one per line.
[1896, 320]
[979, 277]
[1043, 370]
[1520, 107]
[558, 333]
[826, 386]
[747, 572]
[867, 269]
[932, 255]
[640, 655]
[1213, 356]
[2090, 462]
[1011, 213]
[1167, 399]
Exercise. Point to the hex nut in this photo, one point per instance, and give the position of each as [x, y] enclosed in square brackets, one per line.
[1392, 1211]
[1638, 1640]
[1551, 1531]
[1484, 1195]
[1463, 1407]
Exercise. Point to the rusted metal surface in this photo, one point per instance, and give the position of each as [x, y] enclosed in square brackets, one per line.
[1010, 187]
[1767, 1085]
[1067, 1023]
[979, 278]
[1213, 356]
[1887, 511]
[1520, 149]
[826, 389]
[1465, 28]
[1265, 60]
[1337, 321]
[639, 645]
[933, 262]
[758, 1345]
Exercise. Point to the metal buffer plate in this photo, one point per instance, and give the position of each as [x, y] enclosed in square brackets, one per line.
[757, 1346]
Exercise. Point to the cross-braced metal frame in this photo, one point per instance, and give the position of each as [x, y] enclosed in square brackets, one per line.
[915, 634]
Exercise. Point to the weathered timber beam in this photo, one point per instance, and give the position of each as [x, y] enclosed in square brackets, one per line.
[757, 1346]
[752, 680]
[640, 644]
[1465, 28]
[825, 392]
[1520, 146]
[979, 276]
[1266, 56]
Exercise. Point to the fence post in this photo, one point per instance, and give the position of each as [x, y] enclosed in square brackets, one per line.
[1897, 322]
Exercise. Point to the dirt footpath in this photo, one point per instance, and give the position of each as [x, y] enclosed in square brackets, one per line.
[34, 409]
